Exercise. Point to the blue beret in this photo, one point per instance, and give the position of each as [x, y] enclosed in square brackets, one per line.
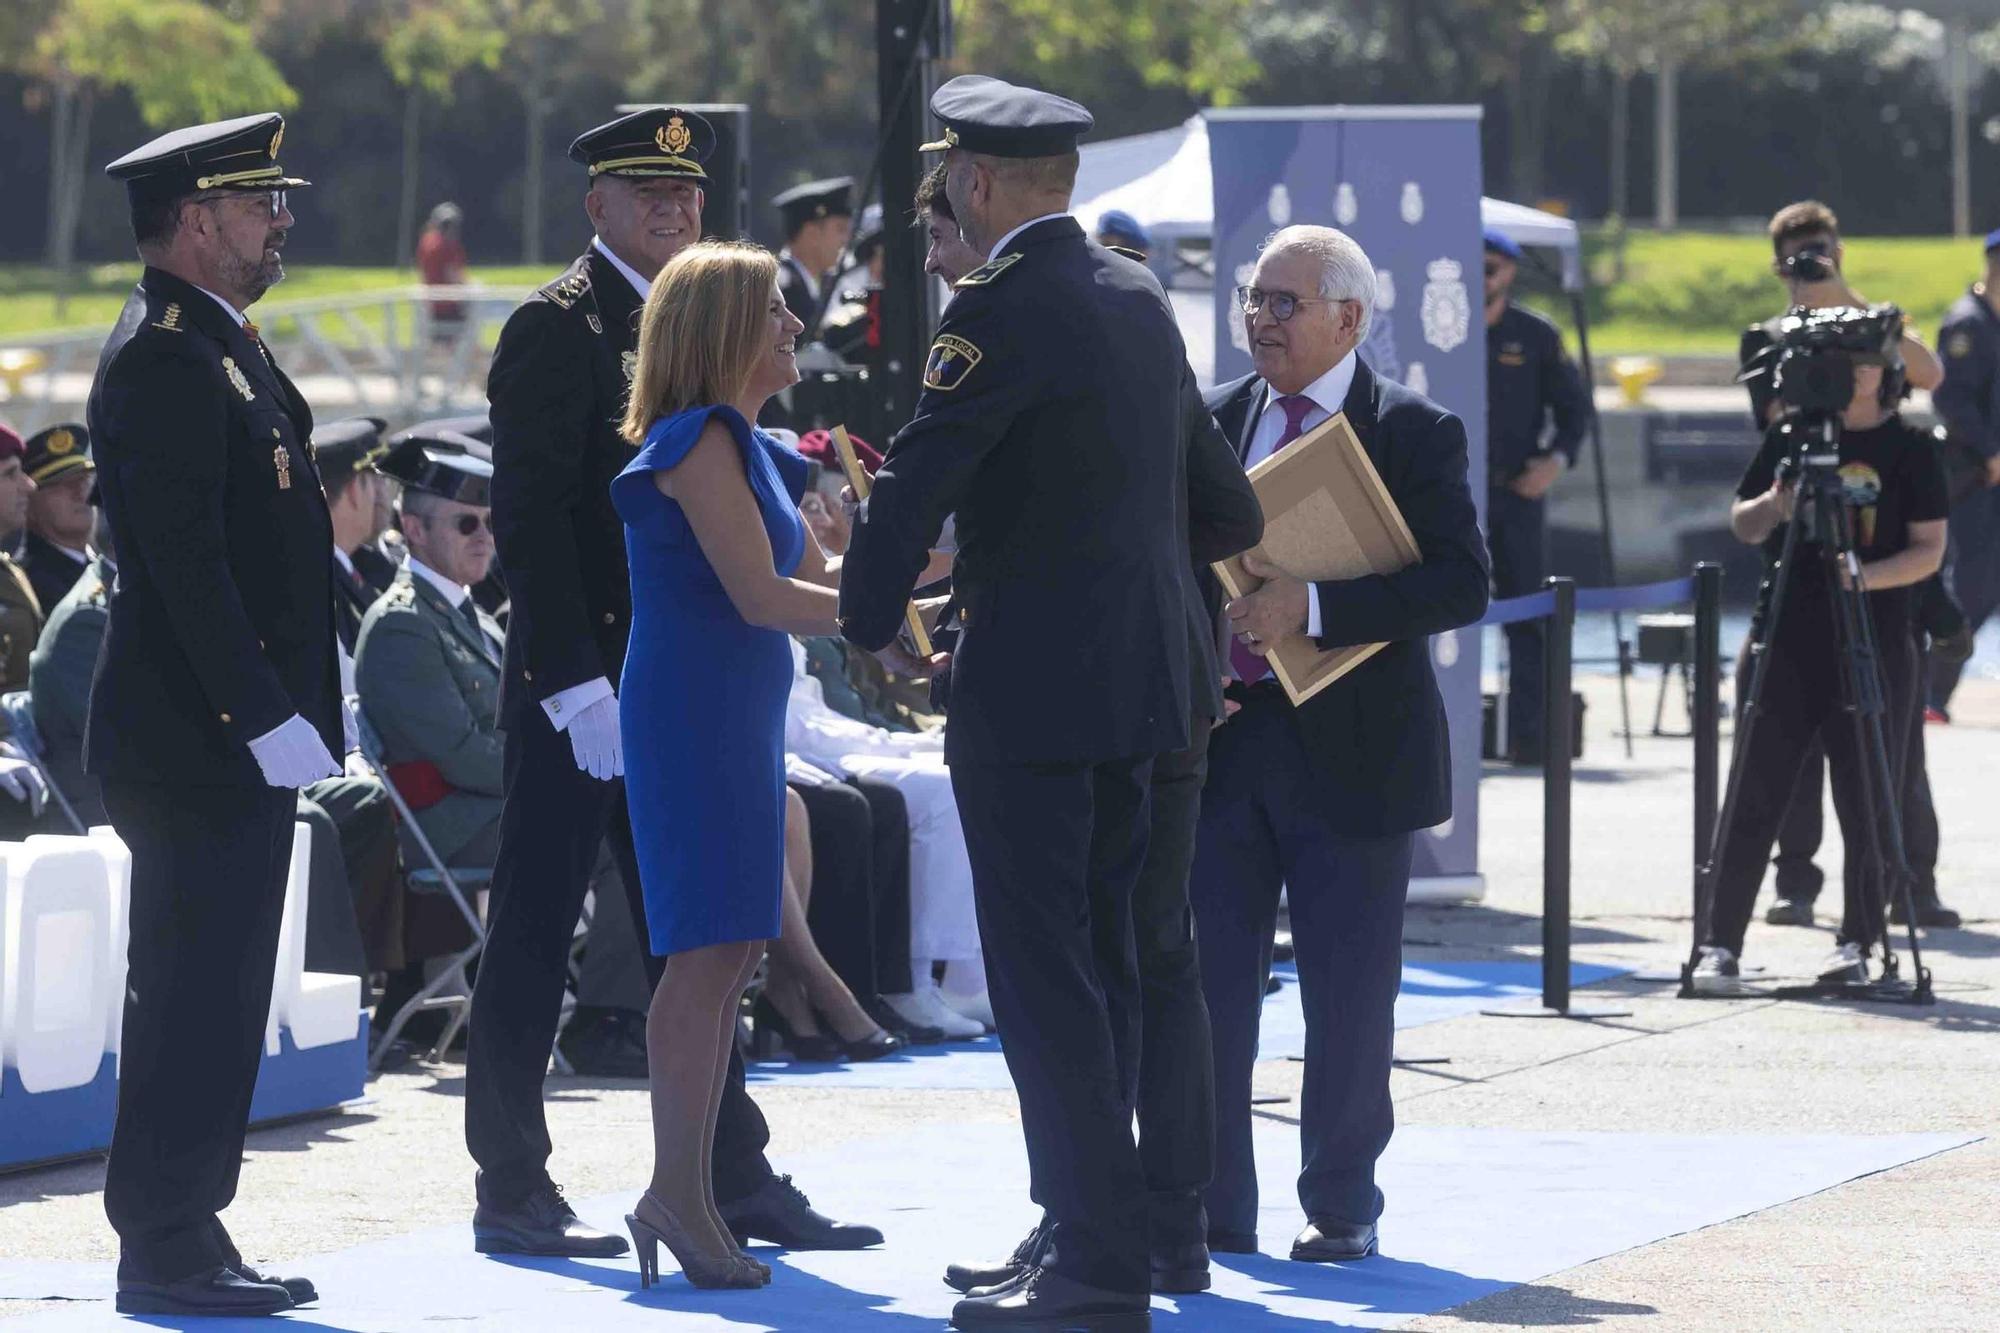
[239, 154]
[1500, 243]
[1122, 226]
[993, 117]
[1993, 240]
[657, 141]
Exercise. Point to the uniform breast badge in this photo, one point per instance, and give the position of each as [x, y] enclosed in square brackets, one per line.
[236, 378]
[282, 457]
[951, 360]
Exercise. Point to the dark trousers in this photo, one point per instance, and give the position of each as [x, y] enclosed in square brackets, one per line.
[1973, 571]
[1056, 851]
[860, 906]
[1517, 536]
[356, 881]
[1264, 825]
[1176, 1066]
[1921, 839]
[208, 894]
[551, 825]
[1801, 705]
[1804, 821]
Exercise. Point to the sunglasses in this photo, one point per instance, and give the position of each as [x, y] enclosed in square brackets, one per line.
[467, 524]
[273, 201]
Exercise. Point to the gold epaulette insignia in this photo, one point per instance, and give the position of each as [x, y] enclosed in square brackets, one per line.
[566, 290]
[987, 272]
[170, 318]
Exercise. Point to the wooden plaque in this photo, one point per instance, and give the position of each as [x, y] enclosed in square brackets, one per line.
[1327, 517]
[858, 479]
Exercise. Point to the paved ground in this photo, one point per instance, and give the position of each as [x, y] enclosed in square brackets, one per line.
[1912, 1248]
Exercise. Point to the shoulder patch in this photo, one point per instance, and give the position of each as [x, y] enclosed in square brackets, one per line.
[1958, 344]
[987, 272]
[951, 360]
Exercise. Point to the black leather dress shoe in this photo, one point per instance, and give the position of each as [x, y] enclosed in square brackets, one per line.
[1930, 912]
[607, 1043]
[543, 1223]
[781, 1214]
[1048, 1302]
[1028, 1254]
[1179, 1270]
[218, 1291]
[1328, 1240]
[1232, 1242]
[300, 1289]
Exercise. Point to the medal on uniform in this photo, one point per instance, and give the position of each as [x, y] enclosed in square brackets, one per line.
[629, 363]
[283, 458]
[235, 373]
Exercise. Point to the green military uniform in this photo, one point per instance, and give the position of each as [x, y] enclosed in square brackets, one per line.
[20, 623]
[430, 685]
[59, 672]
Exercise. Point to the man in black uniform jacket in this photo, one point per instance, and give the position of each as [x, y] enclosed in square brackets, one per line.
[1050, 423]
[818, 218]
[1325, 796]
[56, 549]
[348, 451]
[557, 389]
[216, 696]
[1536, 413]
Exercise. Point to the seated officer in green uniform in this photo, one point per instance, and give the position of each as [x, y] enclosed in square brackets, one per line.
[20, 611]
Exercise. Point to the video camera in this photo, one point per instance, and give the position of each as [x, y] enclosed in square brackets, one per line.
[1811, 361]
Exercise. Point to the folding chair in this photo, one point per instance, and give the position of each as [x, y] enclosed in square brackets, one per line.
[455, 883]
[18, 707]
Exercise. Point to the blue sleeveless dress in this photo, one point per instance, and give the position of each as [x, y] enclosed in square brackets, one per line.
[702, 700]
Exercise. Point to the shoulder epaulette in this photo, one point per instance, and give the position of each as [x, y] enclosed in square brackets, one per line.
[1126, 252]
[987, 272]
[567, 290]
[170, 318]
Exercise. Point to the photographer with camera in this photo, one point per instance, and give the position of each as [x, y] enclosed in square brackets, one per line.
[1887, 476]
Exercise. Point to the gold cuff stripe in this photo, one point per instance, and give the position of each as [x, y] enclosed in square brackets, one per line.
[651, 160]
[269, 173]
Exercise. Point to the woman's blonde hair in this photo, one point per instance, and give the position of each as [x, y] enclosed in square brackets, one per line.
[701, 332]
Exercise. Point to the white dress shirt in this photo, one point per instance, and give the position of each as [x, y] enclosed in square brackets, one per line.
[1327, 392]
[639, 284]
[234, 313]
[1001, 244]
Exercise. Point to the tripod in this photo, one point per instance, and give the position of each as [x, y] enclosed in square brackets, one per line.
[1821, 517]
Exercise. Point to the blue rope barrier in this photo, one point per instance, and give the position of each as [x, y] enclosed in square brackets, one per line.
[1537, 605]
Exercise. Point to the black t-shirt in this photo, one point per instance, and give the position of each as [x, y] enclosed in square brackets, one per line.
[1892, 479]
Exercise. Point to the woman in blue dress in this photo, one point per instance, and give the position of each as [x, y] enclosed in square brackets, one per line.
[722, 571]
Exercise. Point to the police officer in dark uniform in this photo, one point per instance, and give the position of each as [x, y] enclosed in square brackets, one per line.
[817, 218]
[348, 451]
[1536, 414]
[557, 389]
[1051, 424]
[1968, 403]
[216, 695]
[56, 548]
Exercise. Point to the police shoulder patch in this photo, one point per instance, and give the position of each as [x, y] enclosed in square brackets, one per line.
[1958, 344]
[987, 272]
[951, 360]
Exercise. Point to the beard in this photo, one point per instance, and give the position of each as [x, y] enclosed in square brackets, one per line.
[255, 276]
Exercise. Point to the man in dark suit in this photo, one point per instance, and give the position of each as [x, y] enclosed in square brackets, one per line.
[557, 390]
[348, 451]
[56, 547]
[216, 698]
[1050, 423]
[1324, 797]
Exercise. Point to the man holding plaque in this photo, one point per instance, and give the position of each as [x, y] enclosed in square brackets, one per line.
[1324, 796]
[1050, 423]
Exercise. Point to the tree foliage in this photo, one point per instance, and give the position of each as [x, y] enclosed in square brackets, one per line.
[181, 61]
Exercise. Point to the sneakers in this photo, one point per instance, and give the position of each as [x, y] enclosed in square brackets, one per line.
[1716, 972]
[1846, 963]
[1790, 912]
[925, 1006]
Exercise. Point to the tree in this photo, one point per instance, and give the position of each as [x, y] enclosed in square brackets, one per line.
[182, 63]
[546, 43]
[426, 50]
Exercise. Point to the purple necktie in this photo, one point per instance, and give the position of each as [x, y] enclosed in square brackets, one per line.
[1244, 664]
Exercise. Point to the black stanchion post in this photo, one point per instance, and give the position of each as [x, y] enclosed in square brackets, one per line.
[1707, 706]
[1558, 737]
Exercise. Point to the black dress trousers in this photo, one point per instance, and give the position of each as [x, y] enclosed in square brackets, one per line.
[209, 865]
[1056, 851]
[859, 909]
[1517, 537]
[554, 819]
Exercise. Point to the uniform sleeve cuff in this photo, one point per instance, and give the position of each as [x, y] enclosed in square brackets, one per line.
[566, 704]
[1313, 627]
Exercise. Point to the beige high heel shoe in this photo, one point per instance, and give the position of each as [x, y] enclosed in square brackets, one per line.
[729, 1270]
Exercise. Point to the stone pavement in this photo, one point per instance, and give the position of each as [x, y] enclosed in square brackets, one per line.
[1915, 1247]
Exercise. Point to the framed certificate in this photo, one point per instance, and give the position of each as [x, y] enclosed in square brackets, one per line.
[861, 483]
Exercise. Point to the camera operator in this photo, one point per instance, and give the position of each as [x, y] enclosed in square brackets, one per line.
[1807, 257]
[1893, 487]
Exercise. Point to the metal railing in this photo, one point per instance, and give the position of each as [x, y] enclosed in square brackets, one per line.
[386, 353]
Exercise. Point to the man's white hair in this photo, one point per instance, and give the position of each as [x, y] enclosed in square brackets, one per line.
[1346, 272]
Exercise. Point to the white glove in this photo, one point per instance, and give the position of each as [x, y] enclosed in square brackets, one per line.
[350, 729]
[292, 754]
[19, 780]
[593, 735]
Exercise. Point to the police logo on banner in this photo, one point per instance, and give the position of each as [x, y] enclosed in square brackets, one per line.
[1447, 309]
[1279, 205]
[951, 360]
[1346, 207]
[1413, 203]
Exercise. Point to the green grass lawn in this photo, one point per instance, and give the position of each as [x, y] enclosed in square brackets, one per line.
[1684, 294]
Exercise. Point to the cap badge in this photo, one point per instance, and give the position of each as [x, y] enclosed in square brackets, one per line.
[277, 138]
[675, 137]
[235, 374]
[61, 442]
[951, 137]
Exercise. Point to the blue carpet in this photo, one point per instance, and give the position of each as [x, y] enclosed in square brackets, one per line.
[1453, 1233]
[1431, 993]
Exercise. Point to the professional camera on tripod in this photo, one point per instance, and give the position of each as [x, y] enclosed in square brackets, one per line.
[1848, 503]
